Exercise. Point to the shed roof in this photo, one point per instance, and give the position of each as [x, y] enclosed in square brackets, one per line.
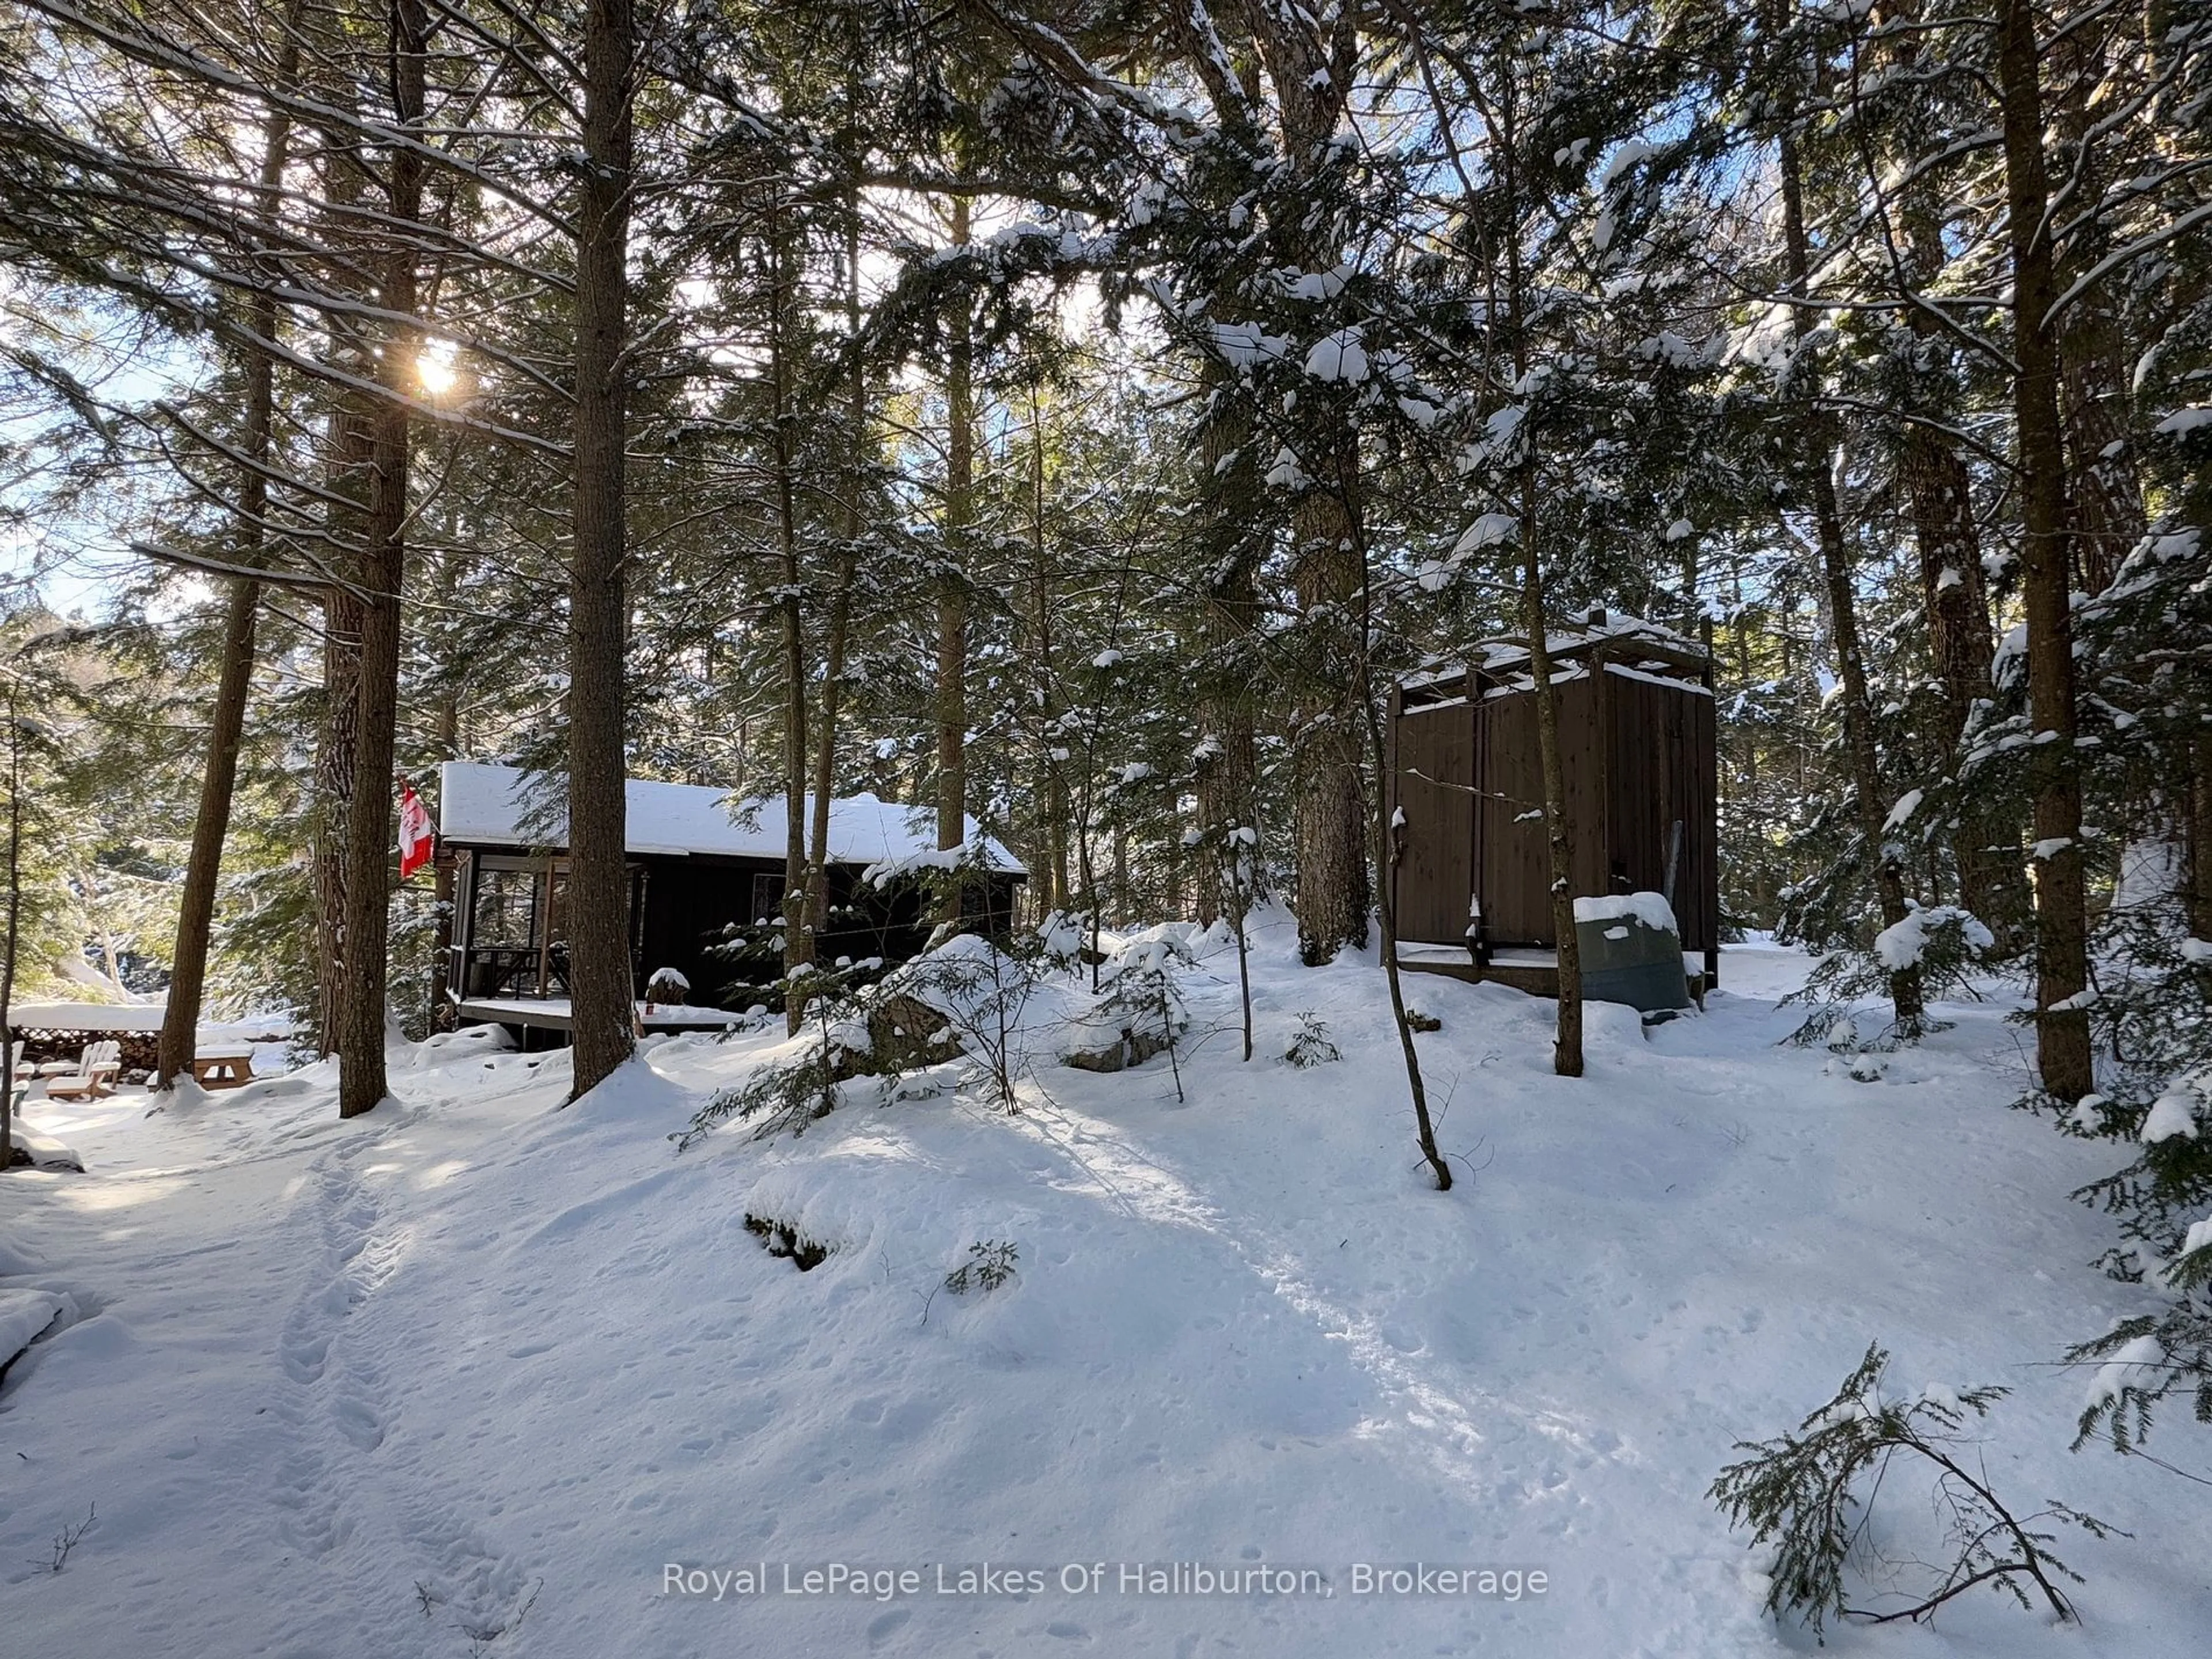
[1498, 659]
[488, 806]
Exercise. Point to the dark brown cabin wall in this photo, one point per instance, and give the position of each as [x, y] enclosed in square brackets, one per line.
[1514, 880]
[1510, 881]
[1582, 747]
[1638, 754]
[1664, 762]
[1647, 739]
[1433, 784]
[1639, 750]
[1703, 925]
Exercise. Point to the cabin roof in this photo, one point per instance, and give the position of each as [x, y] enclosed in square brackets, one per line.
[484, 805]
[1499, 660]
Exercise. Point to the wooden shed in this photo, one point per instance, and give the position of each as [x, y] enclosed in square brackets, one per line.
[1637, 745]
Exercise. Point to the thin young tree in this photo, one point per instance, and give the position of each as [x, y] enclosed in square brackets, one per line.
[226, 716]
[1870, 796]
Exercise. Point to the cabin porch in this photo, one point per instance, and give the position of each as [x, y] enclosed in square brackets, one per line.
[528, 1019]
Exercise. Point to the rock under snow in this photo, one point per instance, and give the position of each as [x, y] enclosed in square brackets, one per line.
[23, 1315]
[42, 1150]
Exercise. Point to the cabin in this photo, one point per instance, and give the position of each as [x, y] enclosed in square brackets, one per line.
[703, 873]
[1472, 883]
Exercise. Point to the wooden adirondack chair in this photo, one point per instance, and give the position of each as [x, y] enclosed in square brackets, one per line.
[97, 1070]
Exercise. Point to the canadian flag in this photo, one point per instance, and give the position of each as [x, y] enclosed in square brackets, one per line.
[416, 842]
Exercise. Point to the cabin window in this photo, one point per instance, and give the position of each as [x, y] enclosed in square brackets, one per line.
[506, 910]
[768, 899]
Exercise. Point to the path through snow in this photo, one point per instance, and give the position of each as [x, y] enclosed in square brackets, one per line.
[462, 1376]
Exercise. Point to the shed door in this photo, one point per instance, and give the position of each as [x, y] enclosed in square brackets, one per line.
[1436, 781]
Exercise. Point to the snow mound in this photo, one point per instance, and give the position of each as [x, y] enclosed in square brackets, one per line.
[469, 1042]
[1649, 908]
[1338, 357]
[2170, 1115]
[23, 1315]
[16, 1258]
[42, 1150]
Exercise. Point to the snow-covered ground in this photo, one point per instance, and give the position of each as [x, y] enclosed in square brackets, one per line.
[474, 1364]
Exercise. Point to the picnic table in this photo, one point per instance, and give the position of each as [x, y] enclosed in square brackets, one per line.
[234, 1070]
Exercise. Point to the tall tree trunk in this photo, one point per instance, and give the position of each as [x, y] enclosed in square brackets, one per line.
[1939, 495]
[347, 173]
[2200, 840]
[1310, 62]
[337, 742]
[1226, 785]
[1870, 794]
[834, 648]
[600, 982]
[13, 942]
[2109, 518]
[1049, 881]
[1558, 827]
[951, 588]
[362, 1015]
[1333, 891]
[440, 1016]
[840, 597]
[797, 934]
[226, 719]
[2062, 957]
[1956, 597]
[180, 1017]
[2094, 353]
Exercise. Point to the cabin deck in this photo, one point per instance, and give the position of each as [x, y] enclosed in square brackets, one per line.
[1535, 971]
[524, 1015]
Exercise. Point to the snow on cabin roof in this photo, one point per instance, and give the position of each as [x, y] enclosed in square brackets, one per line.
[1498, 655]
[486, 805]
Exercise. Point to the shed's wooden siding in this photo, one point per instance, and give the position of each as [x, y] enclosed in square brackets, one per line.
[1514, 879]
[1637, 753]
[1663, 769]
[1434, 781]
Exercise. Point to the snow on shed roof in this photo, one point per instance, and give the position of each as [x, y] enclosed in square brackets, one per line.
[1498, 656]
[486, 805]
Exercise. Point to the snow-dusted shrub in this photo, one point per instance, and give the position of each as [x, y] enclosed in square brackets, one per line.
[2145, 644]
[1310, 1043]
[791, 1090]
[2151, 1010]
[786, 1242]
[1809, 1495]
[990, 1264]
[1947, 945]
[781, 1094]
[1060, 942]
[978, 992]
[1139, 1012]
[2165, 1203]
